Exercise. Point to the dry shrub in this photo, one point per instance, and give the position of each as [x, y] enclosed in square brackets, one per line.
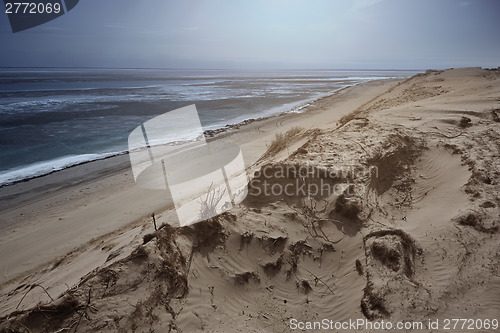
[348, 117]
[281, 141]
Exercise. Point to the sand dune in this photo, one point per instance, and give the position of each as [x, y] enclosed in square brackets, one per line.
[399, 222]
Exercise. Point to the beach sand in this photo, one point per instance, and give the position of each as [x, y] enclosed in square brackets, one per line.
[411, 232]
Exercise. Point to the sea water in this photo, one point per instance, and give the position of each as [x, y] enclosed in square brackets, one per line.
[54, 118]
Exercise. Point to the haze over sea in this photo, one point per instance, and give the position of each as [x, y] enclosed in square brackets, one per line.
[52, 118]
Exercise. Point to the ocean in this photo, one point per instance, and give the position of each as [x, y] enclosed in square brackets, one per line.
[51, 119]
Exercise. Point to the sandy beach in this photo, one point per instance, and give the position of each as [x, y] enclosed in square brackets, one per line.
[49, 216]
[410, 232]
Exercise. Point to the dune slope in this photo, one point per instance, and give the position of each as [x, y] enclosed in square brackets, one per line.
[391, 215]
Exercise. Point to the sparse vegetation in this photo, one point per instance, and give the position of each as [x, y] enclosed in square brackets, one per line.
[281, 141]
[210, 206]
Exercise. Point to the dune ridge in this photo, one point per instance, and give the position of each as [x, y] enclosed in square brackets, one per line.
[402, 226]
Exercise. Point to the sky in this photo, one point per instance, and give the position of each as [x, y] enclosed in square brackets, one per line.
[262, 34]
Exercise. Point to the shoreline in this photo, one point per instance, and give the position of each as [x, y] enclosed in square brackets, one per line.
[93, 202]
[209, 134]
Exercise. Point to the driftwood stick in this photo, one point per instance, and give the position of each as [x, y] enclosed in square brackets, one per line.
[154, 221]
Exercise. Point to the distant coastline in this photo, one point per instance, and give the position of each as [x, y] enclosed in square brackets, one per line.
[56, 107]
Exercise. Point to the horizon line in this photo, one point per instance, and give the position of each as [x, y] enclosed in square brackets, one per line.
[228, 69]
